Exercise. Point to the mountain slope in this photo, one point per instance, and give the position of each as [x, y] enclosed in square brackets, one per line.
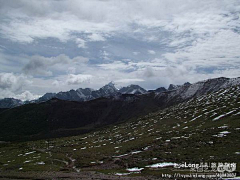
[90, 94]
[201, 129]
[63, 118]
[188, 90]
[10, 103]
[110, 90]
[132, 89]
[68, 116]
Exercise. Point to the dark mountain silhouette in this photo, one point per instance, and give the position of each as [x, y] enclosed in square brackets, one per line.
[10, 103]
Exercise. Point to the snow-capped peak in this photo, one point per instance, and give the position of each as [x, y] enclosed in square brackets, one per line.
[132, 89]
[172, 87]
[109, 88]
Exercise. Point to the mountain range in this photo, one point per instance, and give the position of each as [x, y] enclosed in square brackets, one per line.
[59, 117]
[86, 94]
[10, 103]
[80, 94]
[140, 135]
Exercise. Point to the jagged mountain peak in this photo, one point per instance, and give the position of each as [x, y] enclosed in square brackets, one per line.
[85, 89]
[109, 85]
[112, 84]
[187, 84]
[185, 91]
[132, 89]
[173, 87]
[109, 88]
[201, 88]
[70, 115]
[161, 89]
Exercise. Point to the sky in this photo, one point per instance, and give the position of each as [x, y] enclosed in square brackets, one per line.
[58, 45]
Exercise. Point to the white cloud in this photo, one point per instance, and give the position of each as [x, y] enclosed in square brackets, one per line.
[136, 53]
[189, 37]
[71, 70]
[80, 43]
[128, 80]
[105, 55]
[12, 82]
[26, 95]
[28, 20]
[221, 50]
[78, 78]
[59, 20]
[96, 37]
[151, 52]
[116, 65]
[56, 83]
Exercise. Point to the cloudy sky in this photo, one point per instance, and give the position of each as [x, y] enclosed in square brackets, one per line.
[58, 45]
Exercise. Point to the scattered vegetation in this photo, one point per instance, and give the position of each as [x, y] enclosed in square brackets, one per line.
[204, 129]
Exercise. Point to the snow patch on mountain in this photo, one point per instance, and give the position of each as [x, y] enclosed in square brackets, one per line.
[173, 93]
[132, 89]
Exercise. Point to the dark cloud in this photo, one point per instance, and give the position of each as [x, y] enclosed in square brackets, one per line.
[149, 72]
[39, 65]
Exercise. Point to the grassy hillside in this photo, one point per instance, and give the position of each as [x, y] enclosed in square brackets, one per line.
[204, 129]
[59, 118]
